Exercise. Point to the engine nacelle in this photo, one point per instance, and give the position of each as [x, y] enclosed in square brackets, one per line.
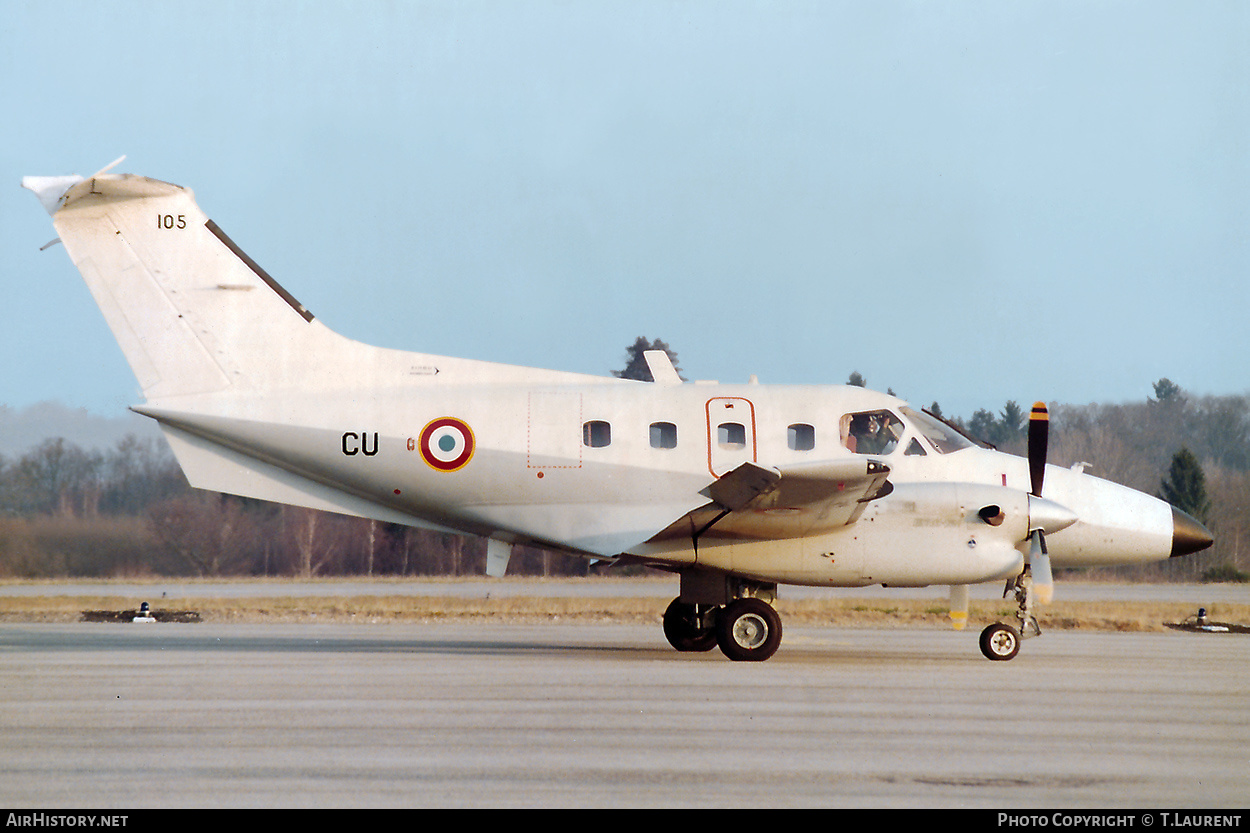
[942, 533]
[920, 534]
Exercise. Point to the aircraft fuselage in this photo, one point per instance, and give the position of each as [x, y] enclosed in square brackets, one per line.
[600, 469]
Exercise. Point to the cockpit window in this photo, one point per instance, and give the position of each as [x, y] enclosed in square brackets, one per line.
[944, 438]
[871, 432]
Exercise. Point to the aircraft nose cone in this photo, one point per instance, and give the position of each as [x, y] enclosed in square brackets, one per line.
[1188, 535]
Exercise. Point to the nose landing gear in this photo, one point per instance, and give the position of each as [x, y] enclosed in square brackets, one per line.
[1000, 641]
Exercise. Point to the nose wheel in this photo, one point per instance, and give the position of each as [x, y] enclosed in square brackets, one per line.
[1000, 642]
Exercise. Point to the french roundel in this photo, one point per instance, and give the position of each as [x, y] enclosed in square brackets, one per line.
[447, 444]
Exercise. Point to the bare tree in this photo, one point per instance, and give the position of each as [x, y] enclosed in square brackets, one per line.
[209, 531]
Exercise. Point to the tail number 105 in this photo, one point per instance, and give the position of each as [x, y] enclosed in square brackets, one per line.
[169, 221]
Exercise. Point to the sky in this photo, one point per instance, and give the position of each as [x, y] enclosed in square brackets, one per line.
[965, 202]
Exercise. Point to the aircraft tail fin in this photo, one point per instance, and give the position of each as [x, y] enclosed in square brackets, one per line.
[192, 313]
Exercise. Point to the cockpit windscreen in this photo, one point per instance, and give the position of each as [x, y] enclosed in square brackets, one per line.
[943, 437]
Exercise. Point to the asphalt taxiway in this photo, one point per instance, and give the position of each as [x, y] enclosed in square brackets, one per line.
[558, 715]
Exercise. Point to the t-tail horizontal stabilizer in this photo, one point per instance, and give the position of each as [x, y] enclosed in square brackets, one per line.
[50, 190]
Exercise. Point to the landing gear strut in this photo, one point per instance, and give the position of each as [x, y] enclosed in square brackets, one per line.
[1001, 641]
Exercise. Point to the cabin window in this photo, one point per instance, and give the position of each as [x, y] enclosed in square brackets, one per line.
[801, 437]
[871, 432]
[596, 434]
[915, 449]
[663, 435]
[731, 435]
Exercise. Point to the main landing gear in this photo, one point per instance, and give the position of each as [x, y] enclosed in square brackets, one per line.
[746, 629]
[1001, 641]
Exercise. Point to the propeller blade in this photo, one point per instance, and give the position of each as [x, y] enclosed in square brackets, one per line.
[1039, 560]
[1039, 438]
[959, 606]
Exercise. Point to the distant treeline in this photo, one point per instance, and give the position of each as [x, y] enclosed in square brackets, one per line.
[128, 511]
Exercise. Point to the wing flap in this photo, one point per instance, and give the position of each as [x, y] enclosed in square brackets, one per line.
[759, 502]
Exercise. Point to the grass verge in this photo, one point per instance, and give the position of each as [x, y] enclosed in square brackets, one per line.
[857, 612]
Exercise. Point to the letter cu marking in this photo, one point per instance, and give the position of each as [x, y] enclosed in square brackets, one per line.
[354, 444]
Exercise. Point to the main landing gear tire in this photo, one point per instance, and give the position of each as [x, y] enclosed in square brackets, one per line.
[683, 631]
[1000, 642]
[748, 630]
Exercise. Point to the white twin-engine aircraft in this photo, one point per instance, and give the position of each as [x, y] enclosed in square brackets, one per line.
[736, 488]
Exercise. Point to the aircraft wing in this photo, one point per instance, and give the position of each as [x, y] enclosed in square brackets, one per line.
[755, 501]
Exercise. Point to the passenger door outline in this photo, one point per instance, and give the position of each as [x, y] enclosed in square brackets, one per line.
[722, 459]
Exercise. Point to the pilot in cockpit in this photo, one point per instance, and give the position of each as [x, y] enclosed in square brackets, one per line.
[871, 434]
